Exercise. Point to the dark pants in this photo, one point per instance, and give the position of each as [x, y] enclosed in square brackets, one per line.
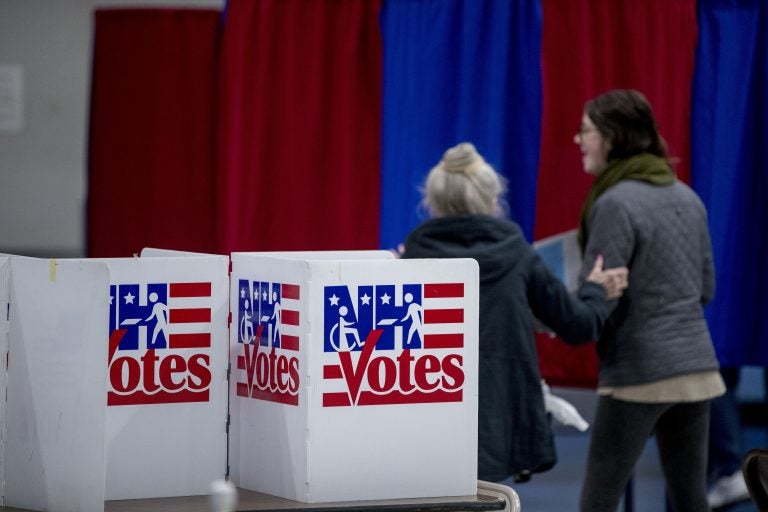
[619, 434]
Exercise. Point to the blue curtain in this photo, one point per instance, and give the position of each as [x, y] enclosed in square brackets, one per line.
[459, 70]
[730, 170]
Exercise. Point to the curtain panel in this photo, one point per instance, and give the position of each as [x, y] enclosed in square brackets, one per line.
[150, 153]
[730, 170]
[455, 71]
[299, 131]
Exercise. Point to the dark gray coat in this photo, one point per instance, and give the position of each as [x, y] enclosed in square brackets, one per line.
[513, 429]
[657, 329]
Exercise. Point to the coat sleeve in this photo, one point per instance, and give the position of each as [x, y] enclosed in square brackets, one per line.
[611, 234]
[576, 319]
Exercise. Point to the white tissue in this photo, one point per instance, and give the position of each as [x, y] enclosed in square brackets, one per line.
[562, 411]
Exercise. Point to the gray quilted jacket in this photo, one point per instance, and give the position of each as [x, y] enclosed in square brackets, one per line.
[657, 329]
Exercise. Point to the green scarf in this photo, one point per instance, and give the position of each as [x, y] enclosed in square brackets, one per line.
[643, 167]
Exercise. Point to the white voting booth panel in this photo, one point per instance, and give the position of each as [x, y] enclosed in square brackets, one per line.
[354, 376]
[55, 417]
[5, 291]
[116, 378]
[167, 374]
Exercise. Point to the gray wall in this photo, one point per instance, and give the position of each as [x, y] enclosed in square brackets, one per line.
[43, 164]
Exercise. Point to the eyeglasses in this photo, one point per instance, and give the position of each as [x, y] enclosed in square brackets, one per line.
[584, 129]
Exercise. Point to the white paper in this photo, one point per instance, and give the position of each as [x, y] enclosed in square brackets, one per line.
[562, 256]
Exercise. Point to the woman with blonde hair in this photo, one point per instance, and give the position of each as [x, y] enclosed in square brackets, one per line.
[463, 195]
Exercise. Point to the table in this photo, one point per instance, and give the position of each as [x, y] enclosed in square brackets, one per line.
[485, 500]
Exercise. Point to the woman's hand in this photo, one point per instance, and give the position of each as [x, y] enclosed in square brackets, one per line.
[614, 280]
[399, 251]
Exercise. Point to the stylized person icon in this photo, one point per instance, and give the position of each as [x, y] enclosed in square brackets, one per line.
[344, 328]
[277, 317]
[160, 314]
[415, 313]
[246, 324]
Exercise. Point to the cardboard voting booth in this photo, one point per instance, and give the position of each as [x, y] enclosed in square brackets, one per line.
[55, 417]
[354, 376]
[5, 273]
[167, 374]
[116, 378]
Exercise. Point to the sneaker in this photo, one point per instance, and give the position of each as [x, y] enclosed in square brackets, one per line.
[727, 490]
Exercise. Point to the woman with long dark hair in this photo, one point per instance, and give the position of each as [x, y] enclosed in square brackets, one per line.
[658, 369]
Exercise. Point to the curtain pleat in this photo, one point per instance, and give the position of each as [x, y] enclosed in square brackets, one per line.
[730, 170]
[150, 157]
[299, 126]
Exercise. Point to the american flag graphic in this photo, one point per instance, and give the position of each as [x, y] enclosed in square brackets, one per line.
[159, 343]
[268, 318]
[161, 315]
[424, 319]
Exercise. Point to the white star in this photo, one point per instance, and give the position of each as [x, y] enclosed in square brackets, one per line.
[242, 293]
[264, 295]
[385, 298]
[365, 299]
[129, 298]
[110, 300]
[255, 295]
[334, 300]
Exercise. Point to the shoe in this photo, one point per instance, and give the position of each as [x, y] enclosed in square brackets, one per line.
[522, 476]
[727, 490]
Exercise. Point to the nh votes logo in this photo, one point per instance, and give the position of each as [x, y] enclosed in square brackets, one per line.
[393, 344]
[268, 340]
[159, 343]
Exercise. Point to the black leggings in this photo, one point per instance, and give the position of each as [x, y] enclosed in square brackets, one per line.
[619, 435]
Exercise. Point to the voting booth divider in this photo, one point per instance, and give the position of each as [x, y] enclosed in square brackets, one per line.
[368, 388]
[55, 383]
[312, 376]
[116, 378]
[5, 291]
[167, 398]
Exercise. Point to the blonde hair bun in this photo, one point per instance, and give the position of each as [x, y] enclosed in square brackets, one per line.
[462, 158]
[463, 183]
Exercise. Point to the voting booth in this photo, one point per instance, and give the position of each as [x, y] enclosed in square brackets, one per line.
[331, 376]
[167, 374]
[56, 384]
[354, 375]
[5, 272]
[116, 378]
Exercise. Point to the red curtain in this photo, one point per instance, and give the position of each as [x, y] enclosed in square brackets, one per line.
[589, 47]
[299, 126]
[151, 158]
